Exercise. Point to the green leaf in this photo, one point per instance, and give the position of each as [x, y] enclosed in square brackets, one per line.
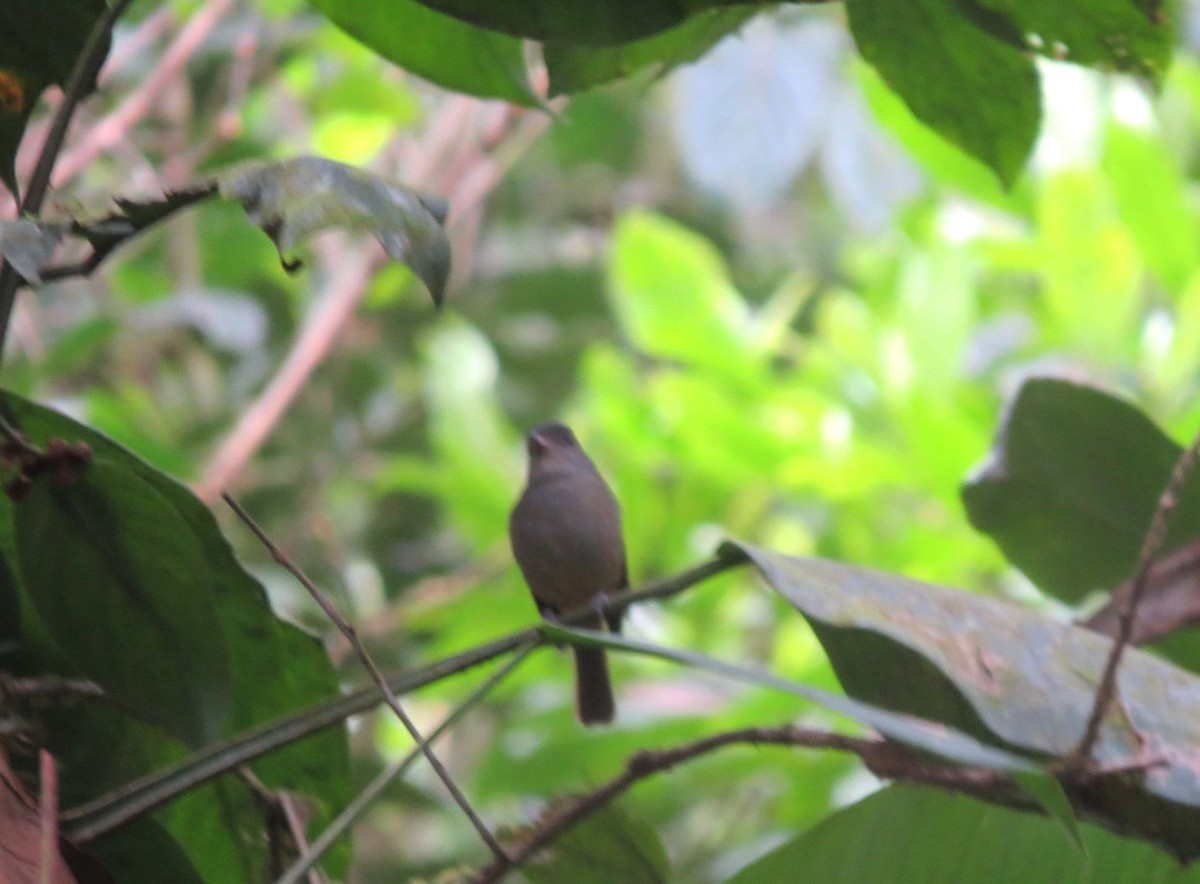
[1008, 677]
[293, 199]
[1070, 487]
[610, 845]
[276, 668]
[575, 67]
[925, 836]
[1117, 35]
[120, 581]
[36, 49]
[1049, 793]
[978, 92]
[439, 48]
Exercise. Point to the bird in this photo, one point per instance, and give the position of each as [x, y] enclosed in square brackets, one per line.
[565, 532]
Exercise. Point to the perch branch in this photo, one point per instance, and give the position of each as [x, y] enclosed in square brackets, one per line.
[115, 808]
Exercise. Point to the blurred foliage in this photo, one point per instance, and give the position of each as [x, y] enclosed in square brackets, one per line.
[775, 307]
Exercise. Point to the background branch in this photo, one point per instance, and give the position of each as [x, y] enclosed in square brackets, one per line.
[884, 758]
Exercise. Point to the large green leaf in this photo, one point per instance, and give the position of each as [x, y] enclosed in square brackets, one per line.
[120, 581]
[979, 92]
[1009, 677]
[1070, 487]
[437, 47]
[916, 835]
[276, 668]
[39, 44]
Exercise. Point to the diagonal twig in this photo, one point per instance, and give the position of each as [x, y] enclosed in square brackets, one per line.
[351, 636]
[397, 768]
[1156, 535]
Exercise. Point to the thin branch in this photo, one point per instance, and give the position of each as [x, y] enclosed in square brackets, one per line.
[87, 66]
[369, 664]
[1156, 535]
[395, 769]
[882, 757]
[113, 809]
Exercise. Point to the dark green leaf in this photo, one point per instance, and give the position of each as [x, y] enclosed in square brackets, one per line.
[1119, 35]
[1009, 677]
[978, 92]
[36, 49]
[294, 199]
[923, 836]
[276, 667]
[144, 853]
[575, 67]
[437, 47]
[120, 581]
[1071, 485]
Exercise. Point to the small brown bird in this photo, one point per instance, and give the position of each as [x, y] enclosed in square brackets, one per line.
[566, 536]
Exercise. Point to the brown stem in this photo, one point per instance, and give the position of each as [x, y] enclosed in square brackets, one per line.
[886, 759]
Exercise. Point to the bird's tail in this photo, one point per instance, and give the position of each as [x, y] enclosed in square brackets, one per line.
[594, 702]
